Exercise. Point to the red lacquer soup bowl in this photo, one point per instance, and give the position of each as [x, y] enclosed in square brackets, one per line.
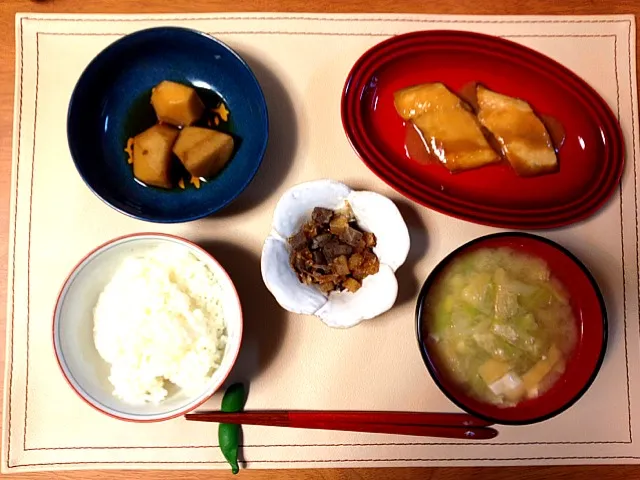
[590, 159]
[581, 367]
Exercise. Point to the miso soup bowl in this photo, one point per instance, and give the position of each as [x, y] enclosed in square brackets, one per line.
[581, 367]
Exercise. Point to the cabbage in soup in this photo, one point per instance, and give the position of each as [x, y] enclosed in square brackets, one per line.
[501, 325]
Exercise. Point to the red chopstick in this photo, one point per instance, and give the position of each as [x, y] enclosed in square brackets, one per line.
[442, 425]
[396, 418]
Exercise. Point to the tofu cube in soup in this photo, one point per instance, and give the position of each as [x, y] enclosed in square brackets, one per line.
[176, 104]
[152, 155]
[207, 157]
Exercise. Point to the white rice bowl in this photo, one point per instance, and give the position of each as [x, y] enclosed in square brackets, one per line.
[139, 365]
[160, 319]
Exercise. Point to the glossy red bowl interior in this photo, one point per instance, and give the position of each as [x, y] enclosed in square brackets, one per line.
[582, 367]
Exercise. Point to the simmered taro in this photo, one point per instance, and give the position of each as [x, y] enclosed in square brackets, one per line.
[332, 252]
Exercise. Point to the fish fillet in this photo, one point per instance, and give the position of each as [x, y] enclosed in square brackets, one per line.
[521, 134]
[449, 129]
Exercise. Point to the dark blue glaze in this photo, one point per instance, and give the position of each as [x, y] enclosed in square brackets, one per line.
[129, 68]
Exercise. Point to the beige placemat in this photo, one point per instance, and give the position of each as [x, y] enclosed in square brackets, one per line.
[301, 62]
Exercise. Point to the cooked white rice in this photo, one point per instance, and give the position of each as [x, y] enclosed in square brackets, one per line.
[160, 319]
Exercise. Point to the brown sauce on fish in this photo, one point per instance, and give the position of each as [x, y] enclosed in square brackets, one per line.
[555, 130]
[416, 148]
[468, 94]
[492, 141]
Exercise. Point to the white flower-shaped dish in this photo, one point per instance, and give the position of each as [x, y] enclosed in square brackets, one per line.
[374, 213]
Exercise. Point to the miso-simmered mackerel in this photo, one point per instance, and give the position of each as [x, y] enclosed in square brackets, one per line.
[476, 128]
[449, 128]
[522, 136]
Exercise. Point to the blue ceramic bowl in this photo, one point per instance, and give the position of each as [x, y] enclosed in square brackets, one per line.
[112, 95]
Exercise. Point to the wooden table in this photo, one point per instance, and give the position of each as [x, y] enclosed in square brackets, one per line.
[8, 8]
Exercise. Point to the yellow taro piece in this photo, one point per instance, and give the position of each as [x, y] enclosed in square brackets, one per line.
[492, 370]
[207, 157]
[540, 370]
[189, 137]
[152, 155]
[176, 104]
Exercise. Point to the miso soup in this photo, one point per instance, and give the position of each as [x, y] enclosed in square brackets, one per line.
[501, 325]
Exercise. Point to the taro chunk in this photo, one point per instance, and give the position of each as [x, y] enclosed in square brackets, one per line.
[176, 104]
[189, 137]
[152, 155]
[207, 158]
